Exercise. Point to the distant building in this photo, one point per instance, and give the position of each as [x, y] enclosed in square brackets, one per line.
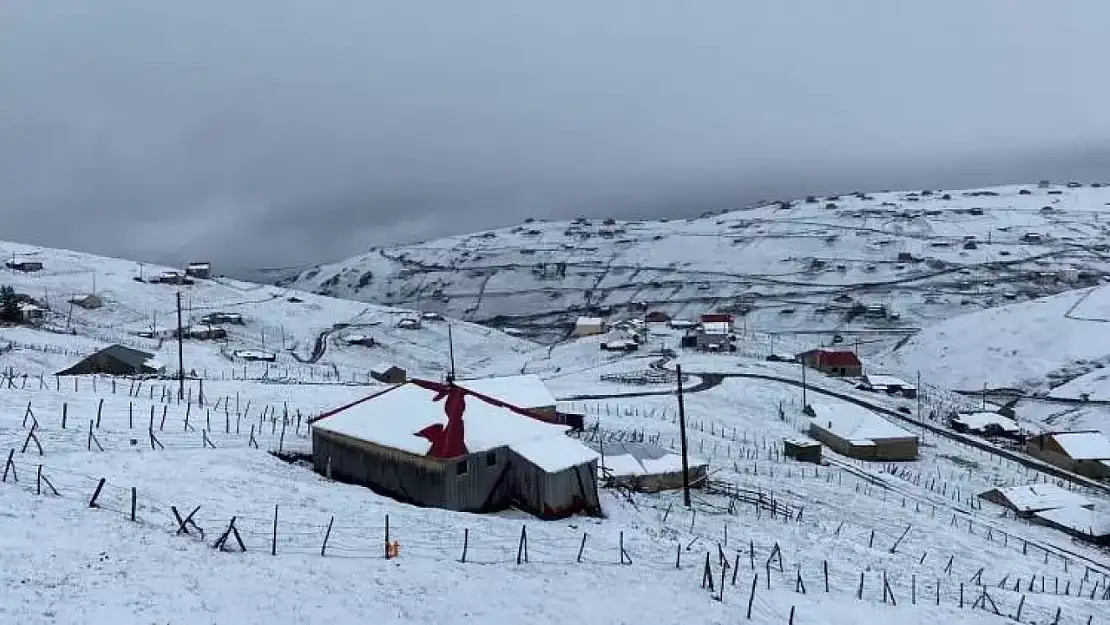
[389, 374]
[1086, 453]
[714, 336]
[24, 265]
[681, 324]
[202, 332]
[116, 360]
[217, 318]
[171, 277]
[1030, 498]
[254, 355]
[200, 270]
[1032, 237]
[647, 468]
[859, 433]
[359, 339]
[32, 313]
[409, 323]
[447, 446]
[985, 424]
[88, 302]
[802, 450]
[880, 383]
[589, 326]
[840, 363]
[657, 316]
[431, 316]
[1088, 525]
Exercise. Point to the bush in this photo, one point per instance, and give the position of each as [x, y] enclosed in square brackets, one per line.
[9, 305]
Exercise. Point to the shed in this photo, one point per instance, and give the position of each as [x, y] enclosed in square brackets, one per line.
[202, 270]
[802, 450]
[203, 332]
[115, 360]
[857, 432]
[1086, 453]
[24, 265]
[984, 423]
[255, 355]
[647, 468]
[390, 374]
[446, 446]
[1079, 521]
[359, 339]
[1030, 498]
[681, 324]
[31, 312]
[657, 316]
[833, 362]
[216, 318]
[409, 323]
[882, 383]
[588, 326]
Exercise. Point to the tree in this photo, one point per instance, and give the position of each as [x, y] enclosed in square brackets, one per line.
[9, 305]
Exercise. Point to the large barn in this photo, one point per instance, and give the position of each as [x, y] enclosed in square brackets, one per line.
[857, 432]
[447, 446]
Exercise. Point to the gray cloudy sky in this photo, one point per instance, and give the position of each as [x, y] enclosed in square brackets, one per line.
[278, 132]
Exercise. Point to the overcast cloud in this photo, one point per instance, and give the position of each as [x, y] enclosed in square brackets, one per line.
[279, 132]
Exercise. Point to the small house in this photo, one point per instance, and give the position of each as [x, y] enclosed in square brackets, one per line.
[218, 318]
[647, 468]
[431, 316]
[881, 383]
[589, 326]
[359, 339]
[802, 450]
[657, 316]
[985, 424]
[859, 433]
[202, 332]
[254, 355]
[681, 324]
[714, 336]
[88, 302]
[1031, 498]
[1032, 237]
[30, 312]
[116, 360]
[24, 265]
[409, 323]
[390, 374]
[200, 270]
[1086, 453]
[840, 363]
[444, 445]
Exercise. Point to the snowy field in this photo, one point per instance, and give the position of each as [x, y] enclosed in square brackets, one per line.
[918, 526]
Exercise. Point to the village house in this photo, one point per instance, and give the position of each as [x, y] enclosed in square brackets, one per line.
[254, 355]
[389, 374]
[840, 363]
[802, 449]
[88, 302]
[409, 323]
[647, 468]
[217, 318]
[1027, 499]
[859, 433]
[359, 339]
[446, 446]
[116, 360]
[171, 277]
[1086, 453]
[199, 270]
[31, 313]
[892, 385]
[202, 332]
[24, 265]
[589, 326]
[1084, 523]
[985, 424]
[657, 316]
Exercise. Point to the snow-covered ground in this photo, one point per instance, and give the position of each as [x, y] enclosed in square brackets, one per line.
[284, 322]
[62, 561]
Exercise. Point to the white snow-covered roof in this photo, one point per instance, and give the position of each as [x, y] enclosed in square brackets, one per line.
[523, 391]
[554, 453]
[854, 423]
[716, 327]
[1093, 522]
[393, 417]
[1084, 445]
[980, 420]
[631, 459]
[253, 353]
[29, 307]
[879, 379]
[590, 321]
[1036, 497]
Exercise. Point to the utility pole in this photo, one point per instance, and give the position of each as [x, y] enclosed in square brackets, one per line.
[919, 395]
[803, 363]
[682, 431]
[180, 352]
[451, 353]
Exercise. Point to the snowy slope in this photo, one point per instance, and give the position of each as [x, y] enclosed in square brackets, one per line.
[797, 269]
[62, 561]
[278, 320]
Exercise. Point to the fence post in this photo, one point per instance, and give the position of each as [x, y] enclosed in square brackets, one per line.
[96, 494]
[134, 498]
[327, 535]
[273, 543]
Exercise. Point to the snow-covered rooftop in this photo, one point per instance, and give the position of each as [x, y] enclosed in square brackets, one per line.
[1084, 445]
[523, 391]
[716, 327]
[623, 459]
[1085, 520]
[854, 423]
[393, 417]
[590, 321]
[980, 420]
[1037, 497]
[554, 453]
[881, 379]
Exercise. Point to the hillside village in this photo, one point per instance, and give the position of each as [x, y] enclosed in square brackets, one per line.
[775, 426]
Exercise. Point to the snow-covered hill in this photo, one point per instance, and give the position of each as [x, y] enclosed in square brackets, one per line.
[310, 335]
[808, 267]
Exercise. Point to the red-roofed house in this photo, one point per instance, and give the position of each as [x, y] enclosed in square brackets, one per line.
[446, 446]
[839, 362]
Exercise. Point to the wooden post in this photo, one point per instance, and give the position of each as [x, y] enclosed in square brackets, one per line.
[327, 535]
[96, 494]
[38, 482]
[273, 543]
[581, 548]
[134, 500]
[130, 415]
[751, 597]
[522, 548]
[825, 568]
[99, 408]
[466, 533]
[386, 525]
[65, 412]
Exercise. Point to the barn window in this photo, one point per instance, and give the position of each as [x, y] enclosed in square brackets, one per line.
[461, 468]
[491, 459]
